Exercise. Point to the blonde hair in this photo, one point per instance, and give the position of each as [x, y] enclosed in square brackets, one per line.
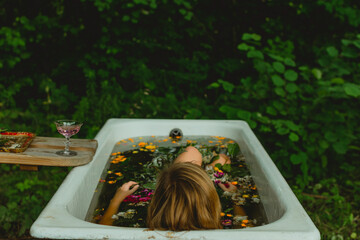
[185, 199]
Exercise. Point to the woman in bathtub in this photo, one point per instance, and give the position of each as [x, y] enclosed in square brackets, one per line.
[185, 198]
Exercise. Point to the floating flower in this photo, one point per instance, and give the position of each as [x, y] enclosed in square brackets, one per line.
[142, 144]
[239, 218]
[144, 199]
[218, 174]
[226, 222]
[128, 214]
[150, 147]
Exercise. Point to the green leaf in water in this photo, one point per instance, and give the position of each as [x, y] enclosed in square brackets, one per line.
[150, 185]
[226, 168]
[233, 149]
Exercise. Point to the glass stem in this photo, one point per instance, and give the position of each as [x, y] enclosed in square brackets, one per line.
[67, 145]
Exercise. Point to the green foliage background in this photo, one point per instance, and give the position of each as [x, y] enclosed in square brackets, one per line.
[291, 69]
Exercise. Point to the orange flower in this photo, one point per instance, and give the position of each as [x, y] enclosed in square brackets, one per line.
[111, 182]
[222, 214]
[245, 221]
[229, 215]
[118, 173]
[131, 140]
[234, 183]
[150, 147]
[142, 144]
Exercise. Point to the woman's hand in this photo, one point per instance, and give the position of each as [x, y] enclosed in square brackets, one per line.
[125, 190]
[121, 193]
[227, 187]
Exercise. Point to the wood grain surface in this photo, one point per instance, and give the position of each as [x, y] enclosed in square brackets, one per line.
[42, 152]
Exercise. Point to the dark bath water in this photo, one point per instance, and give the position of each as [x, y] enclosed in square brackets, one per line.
[141, 159]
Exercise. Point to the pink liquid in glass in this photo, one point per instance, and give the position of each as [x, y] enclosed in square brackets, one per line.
[68, 131]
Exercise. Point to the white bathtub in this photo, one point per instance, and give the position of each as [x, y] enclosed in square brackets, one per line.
[63, 217]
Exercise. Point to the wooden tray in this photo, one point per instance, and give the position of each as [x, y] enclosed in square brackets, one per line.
[15, 141]
[41, 152]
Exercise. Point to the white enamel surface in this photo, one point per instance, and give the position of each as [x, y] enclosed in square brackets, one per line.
[63, 217]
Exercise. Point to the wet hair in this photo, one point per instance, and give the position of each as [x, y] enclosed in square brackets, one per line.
[185, 199]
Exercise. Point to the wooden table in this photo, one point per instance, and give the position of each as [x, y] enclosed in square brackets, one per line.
[41, 152]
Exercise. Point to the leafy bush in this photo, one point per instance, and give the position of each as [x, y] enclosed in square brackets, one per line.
[23, 195]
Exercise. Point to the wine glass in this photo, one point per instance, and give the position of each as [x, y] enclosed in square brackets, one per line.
[67, 128]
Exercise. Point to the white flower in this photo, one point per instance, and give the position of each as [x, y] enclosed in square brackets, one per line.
[228, 194]
[128, 214]
[239, 218]
[141, 204]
